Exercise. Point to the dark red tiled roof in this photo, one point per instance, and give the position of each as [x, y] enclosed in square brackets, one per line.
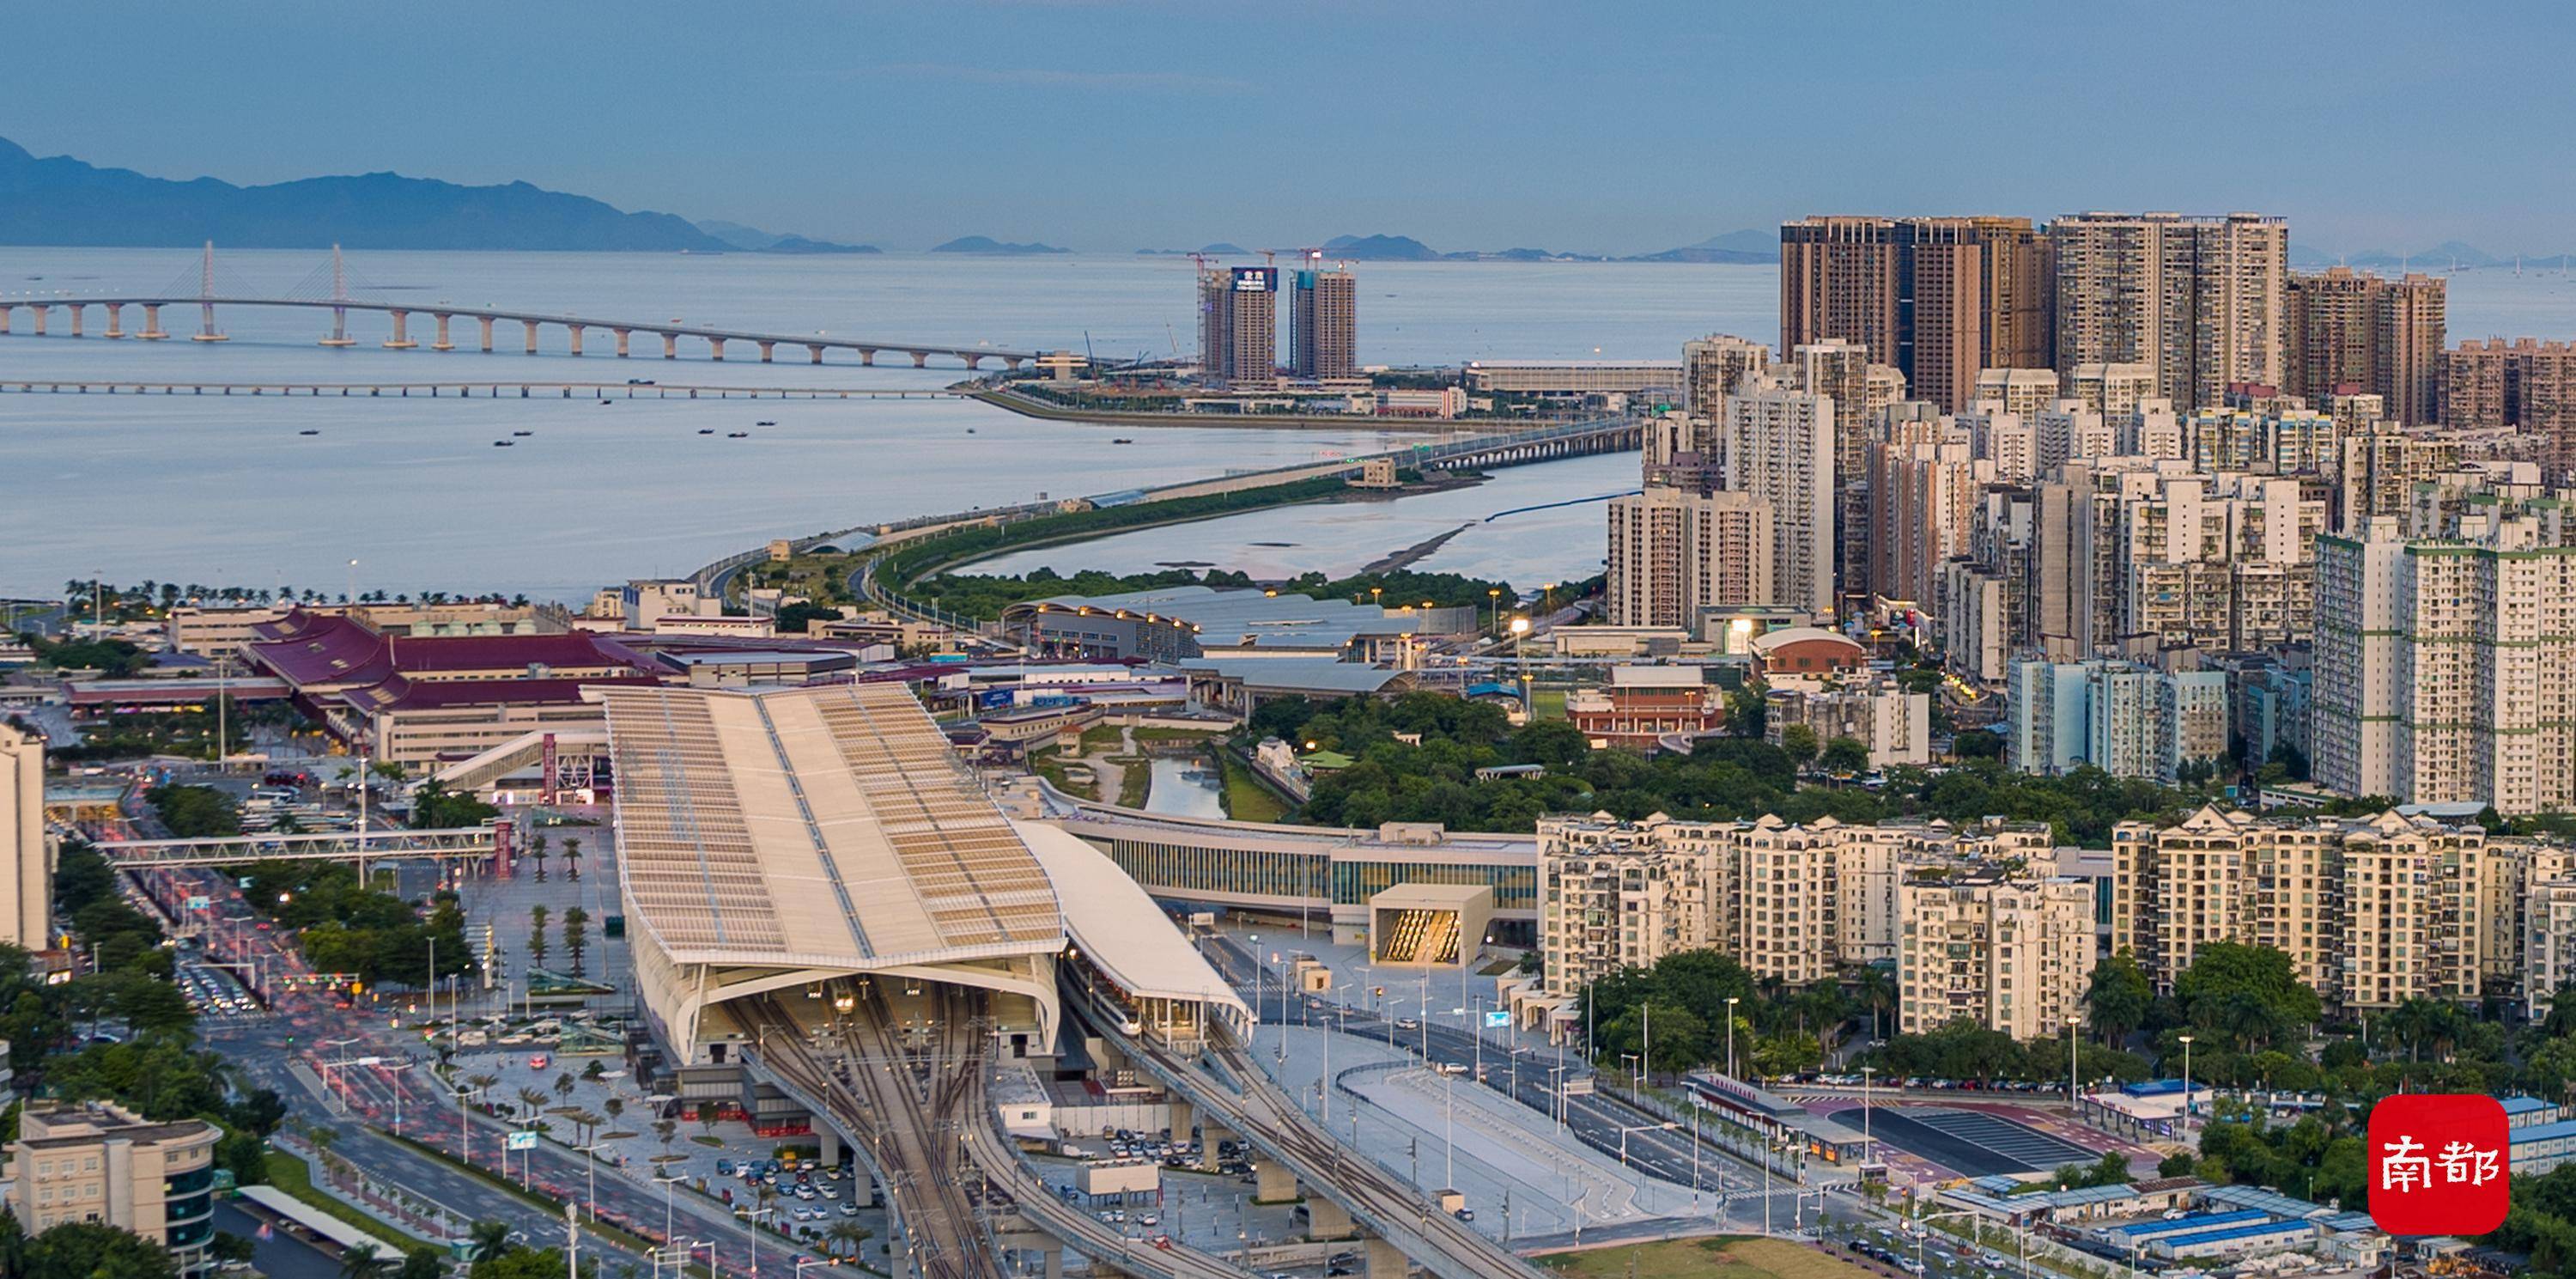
[400, 694]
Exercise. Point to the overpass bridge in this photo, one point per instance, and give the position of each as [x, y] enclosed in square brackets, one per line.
[446, 844]
[209, 296]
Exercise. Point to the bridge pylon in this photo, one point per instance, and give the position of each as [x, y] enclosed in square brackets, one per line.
[206, 299]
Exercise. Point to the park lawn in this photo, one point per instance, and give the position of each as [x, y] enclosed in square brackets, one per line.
[1246, 799]
[295, 1177]
[1547, 703]
[1711, 1257]
[1135, 779]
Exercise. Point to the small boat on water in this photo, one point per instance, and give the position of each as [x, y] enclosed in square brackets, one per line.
[500, 444]
[737, 435]
[706, 430]
[970, 430]
[764, 424]
[308, 432]
[523, 434]
[1122, 440]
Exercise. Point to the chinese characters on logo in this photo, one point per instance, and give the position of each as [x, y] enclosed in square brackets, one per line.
[2439, 1165]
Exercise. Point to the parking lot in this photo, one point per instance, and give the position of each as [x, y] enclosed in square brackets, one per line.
[1975, 1143]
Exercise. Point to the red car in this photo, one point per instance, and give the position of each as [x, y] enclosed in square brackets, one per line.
[1163, 1242]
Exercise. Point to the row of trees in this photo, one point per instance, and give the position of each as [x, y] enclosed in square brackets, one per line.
[576, 935]
[977, 595]
[347, 927]
[1722, 778]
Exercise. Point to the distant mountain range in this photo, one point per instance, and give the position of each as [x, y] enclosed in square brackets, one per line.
[63, 201]
[752, 239]
[986, 244]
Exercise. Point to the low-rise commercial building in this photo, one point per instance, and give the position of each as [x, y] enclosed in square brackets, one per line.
[99, 1162]
[1642, 705]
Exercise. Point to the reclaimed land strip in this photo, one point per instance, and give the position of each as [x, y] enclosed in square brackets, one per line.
[1027, 406]
[1413, 554]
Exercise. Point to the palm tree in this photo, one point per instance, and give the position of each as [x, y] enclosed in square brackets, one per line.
[575, 935]
[362, 1261]
[1878, 995]
[490, 1238]
[537, 854]
[530, 1101]
[664, 1130]
[563, 1085]
[615, 1106]
[847, 1233]
[572, 859]
[482, 1083]
[537, 934]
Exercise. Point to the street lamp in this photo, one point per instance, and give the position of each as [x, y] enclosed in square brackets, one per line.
[1520, 653]
[1623, 1136]
[1865, 1073]
[1730, 1037]
[2185, 1130]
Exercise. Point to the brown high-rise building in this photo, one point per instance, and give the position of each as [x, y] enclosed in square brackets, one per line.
[2348, 328]
[1324, 324]
[2528, 386]
[1239, 326]
[2200, 300]
[1939, 299]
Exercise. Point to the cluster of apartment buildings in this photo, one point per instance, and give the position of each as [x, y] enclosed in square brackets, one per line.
[1239, 324]
[1992, 923]
[1978, 921]
[2140, 479]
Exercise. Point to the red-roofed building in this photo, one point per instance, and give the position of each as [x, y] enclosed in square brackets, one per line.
[421, 699]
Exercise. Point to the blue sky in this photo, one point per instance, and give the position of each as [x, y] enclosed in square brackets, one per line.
[1111, 126]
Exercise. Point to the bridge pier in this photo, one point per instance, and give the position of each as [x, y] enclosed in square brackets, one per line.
[1326, 1219]
[42, 316]
[920, 359]
[767, 349]
[206, 325]
[670, 346]
[6, 310]
[1012, 362]
[972, 361]
[622, 335]
[1386, 1261]
[486, 321]
[78, 312]
[531, 327]
[115, 320]
[1272, 1182]
[575, 330]
[867, 357]
[401, 340]
[815, 351]
[718, 345]
[442, 344]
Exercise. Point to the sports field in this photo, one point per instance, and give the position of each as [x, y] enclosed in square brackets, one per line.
[1713, 1257]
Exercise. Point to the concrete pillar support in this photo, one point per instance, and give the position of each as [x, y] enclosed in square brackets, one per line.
[867, 357]
[718, 348]
[531, 327]
[442, 344]
[1326, 1219]
[42, 316]
[1386, 1261]
[115, 320]
[78, 312]
[973, 362]
[1272, 1182]
[767, 349]
[622, 335]
[921, 359]
[815, 351]
[6, 310]
[1182, 1116]
[575, 330]
[830, 1144]
[401, 340]
[1055, 1262]
[486, 322]
[151, 323]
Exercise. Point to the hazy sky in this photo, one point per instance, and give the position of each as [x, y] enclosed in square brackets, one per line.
[1498, 123]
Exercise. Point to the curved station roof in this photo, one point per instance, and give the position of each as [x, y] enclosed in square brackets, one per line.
[819, 827]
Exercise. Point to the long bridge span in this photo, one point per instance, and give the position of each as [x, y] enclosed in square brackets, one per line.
[339, 302]
[522, 389]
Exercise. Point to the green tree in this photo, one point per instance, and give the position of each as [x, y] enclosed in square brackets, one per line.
[572, 858]
[1842, 755]
[364, 1261]
[537, 935]
[1799, 741]
[576, 935]
[2118, 998]
[86, 1250]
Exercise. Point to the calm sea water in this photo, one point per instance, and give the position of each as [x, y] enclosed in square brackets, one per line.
[226, 491]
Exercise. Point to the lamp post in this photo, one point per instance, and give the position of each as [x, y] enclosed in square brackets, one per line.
[1865, 1073]
[1520, 653]
[1494, 608]
[1623, 1136]
[2185, 1130]
[2070, 1066]
[1730, 1037]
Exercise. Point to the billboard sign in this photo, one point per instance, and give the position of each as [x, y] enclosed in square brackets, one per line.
[1256, 279]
